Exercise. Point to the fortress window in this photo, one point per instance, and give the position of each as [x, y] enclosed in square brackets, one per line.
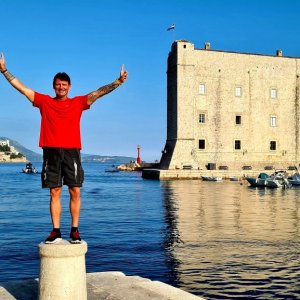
[273, 145]
[237, 145]
[201, 144]
[202, 89]
[238, 91]
[273, 121]
[202, 118]
[238, 120]
[273, 93]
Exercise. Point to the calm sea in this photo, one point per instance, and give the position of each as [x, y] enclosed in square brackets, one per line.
[218, 240]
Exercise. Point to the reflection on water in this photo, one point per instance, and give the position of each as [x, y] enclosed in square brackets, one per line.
[227, 240]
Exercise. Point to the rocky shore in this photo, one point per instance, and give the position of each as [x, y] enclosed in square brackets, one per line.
[134, 166]
[7, 159]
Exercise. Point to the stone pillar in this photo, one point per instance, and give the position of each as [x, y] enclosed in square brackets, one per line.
[62, 271]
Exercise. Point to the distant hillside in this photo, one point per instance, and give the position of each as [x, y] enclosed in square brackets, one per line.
[106, 159]
[36, 157]
[30, 155]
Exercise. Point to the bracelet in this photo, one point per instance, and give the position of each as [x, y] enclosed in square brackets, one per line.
[4, 71]
[119, 81]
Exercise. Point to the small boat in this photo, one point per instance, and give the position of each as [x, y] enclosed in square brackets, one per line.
[233, 178]
[113, 168]
[295, 179]
[29, 169]
[259, 181]
[276, 180]
[211, 178]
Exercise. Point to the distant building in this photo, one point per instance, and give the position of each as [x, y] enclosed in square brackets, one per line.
[4, 143]
[12, 155]
[231, 110]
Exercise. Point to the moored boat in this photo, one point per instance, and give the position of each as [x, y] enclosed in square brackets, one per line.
[233, 178]
[259, 181]
[295, 179]
[211, 178]
[276, 180]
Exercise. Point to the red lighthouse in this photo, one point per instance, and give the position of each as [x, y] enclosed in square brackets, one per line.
[138, 160]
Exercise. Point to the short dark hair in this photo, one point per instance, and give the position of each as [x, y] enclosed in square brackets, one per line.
[62, 76]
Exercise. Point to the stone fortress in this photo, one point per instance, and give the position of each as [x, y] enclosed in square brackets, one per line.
[231, 111]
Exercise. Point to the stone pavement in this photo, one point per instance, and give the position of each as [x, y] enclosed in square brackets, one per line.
[103, 286]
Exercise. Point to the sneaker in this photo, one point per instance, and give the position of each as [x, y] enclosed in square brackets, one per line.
[53, 238]
[75, 238]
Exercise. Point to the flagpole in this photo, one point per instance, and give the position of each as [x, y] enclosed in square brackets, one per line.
[174, 34]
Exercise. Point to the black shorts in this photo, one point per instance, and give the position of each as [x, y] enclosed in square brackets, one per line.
[61, 166]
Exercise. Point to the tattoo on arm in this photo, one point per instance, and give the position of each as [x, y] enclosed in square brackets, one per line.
[92, 97]
[8, 76]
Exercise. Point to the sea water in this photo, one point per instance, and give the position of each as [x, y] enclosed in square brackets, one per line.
[218, 240]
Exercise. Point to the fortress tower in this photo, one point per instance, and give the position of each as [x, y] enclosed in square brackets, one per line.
[230, 109]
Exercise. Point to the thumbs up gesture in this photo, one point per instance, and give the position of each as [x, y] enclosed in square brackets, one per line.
[123, 74]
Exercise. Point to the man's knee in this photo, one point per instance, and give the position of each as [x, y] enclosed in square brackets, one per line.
[74, 193]
[55, 193]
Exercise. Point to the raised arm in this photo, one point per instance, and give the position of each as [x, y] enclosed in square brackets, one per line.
[93, 96]
[18, 85]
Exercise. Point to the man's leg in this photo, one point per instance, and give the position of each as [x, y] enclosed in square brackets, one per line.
[55, 206]
[55, 211]
[75, 205]
[75, 213]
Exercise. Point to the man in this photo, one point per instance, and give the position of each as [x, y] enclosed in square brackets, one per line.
[61, 142]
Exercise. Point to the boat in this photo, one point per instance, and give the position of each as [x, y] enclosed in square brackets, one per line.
[259, 181]
[233, 178]
[29, 169]
[113, 168]
[211, 178]
[295, 179]
[276, 180]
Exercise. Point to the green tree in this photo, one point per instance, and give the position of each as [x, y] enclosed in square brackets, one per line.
[14, 156]
[4, 148]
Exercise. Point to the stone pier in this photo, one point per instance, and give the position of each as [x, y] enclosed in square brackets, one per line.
[63, 277]
[103, 286]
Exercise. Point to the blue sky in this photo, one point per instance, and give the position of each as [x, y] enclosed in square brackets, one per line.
[90, 40]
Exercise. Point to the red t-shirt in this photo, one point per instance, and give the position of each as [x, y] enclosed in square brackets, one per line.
[60, 123]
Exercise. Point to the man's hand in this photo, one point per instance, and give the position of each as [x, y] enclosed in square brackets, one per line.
[123, 75]
[2, 63]
[18, 85]
[93, 96]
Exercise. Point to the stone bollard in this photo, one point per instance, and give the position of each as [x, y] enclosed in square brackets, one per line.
[62, 271]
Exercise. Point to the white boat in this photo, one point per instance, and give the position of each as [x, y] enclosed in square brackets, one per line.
[211, 178]
[29, 169]
[278, 179]
[295, 179]
[112, 169]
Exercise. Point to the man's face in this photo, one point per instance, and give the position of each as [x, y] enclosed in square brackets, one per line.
[61, 88]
